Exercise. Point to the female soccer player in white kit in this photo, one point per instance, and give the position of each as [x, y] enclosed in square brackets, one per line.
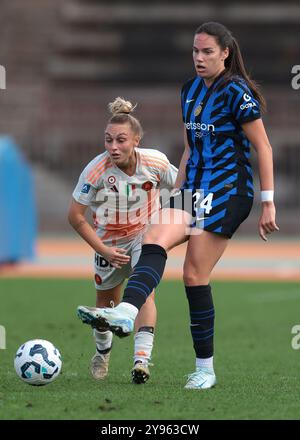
[121, 187]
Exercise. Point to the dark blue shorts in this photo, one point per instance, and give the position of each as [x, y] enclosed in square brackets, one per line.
[222, 215]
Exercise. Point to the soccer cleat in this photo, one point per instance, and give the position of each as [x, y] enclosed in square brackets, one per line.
[201, 379]
[106, 318]
[99, 365]
[140, 373]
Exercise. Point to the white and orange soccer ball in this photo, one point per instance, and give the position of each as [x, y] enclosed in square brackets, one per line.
[38, 362]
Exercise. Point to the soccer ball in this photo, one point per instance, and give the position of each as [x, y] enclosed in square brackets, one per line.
[37, 362]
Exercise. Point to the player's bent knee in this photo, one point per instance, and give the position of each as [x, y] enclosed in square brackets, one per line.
[151, 238]
[193, 278]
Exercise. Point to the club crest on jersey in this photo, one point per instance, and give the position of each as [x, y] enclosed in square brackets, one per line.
[111, 180]
[198, 110]
[147, 186]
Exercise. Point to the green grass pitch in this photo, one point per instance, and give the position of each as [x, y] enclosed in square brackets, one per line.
[256, 367]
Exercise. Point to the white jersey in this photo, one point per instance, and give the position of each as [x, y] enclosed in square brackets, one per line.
[122, 205]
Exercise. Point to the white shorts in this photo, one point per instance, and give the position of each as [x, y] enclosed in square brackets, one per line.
[106, 276]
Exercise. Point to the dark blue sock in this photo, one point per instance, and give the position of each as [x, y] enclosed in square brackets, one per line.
[202, 315]
[146, 275]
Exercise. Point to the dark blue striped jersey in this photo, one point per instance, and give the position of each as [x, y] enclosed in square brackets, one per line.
[219, 149]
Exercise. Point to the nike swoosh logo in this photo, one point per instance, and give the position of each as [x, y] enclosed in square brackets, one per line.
[201, 218]
[189, 100]
[192, 325]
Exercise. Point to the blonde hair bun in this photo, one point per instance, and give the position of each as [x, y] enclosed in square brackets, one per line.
[120, 105]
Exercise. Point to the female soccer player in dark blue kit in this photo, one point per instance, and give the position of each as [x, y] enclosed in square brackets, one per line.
[221, 115]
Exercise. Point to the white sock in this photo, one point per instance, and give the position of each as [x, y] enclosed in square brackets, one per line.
[143, 344]
[103, 339]
[205, 363]
[128, 309]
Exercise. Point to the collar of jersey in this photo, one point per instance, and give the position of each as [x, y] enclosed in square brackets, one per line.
[216, 80]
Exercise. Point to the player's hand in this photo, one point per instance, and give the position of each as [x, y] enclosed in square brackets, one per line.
[115, 256]
[267, 223]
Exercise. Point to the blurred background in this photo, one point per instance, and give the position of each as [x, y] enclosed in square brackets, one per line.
[65, 60]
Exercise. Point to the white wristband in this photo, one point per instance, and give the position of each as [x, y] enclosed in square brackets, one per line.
[267, 196]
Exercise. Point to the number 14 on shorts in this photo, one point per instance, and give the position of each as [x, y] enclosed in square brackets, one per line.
[202, 205]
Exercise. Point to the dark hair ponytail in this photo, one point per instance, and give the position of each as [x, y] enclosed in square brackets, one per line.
[234, 63]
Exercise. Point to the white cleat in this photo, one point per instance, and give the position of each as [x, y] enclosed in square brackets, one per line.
[106, 318]
[201, 379]
[99, 365]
